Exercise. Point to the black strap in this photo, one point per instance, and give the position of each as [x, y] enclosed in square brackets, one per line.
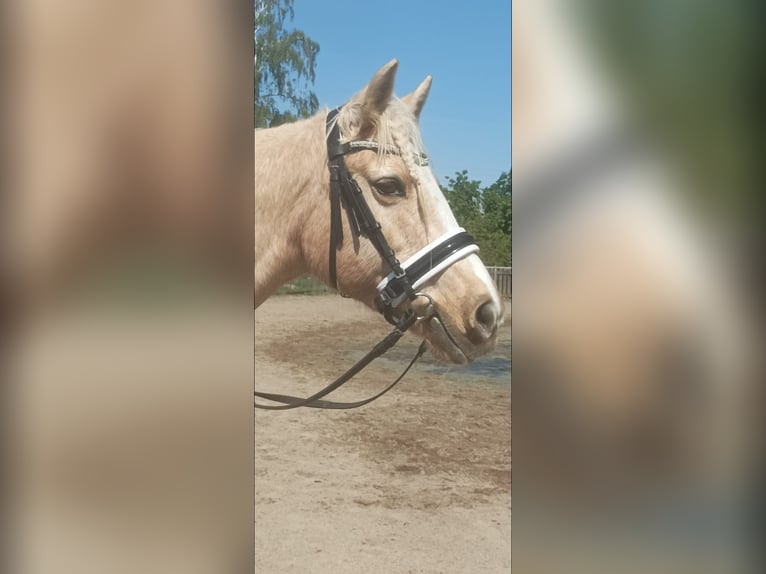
[345, 192]
[336, 225]
[290, 402]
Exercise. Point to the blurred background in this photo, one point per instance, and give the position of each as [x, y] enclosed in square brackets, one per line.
[638, 241]
[127, 286]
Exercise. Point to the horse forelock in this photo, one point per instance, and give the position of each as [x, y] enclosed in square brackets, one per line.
[396, 127]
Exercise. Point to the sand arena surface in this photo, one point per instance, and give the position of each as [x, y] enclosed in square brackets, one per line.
[418, 481]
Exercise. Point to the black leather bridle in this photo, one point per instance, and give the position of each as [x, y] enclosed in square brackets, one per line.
[399, 285]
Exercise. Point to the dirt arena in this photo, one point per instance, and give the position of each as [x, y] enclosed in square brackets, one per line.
[416, 482]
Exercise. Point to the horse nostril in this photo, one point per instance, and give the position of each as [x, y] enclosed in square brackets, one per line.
[486, 317]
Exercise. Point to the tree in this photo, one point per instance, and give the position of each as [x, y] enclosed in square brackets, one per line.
[485, 213]
[464, 197]
[497, 204]
[284, 63]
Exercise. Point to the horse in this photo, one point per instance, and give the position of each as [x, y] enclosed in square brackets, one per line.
[294, 217]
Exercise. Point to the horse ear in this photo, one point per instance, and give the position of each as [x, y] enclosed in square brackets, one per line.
[378, 93]
[417, 99]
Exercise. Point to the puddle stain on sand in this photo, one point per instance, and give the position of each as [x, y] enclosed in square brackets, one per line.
[494, 368]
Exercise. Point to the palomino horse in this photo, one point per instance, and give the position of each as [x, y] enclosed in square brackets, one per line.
[293, 216]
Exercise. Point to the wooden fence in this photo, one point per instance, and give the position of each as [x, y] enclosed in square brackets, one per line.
[503, 278]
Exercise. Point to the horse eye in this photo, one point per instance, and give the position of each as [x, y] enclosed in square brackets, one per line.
[389, 186]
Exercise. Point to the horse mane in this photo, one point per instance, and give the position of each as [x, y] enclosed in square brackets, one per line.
[396, 127]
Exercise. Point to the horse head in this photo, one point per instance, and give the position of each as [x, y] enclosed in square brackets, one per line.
[390, 167]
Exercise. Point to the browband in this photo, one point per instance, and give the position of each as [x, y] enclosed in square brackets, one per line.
[340, 149]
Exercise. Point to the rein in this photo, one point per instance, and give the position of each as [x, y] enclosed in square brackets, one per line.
[399, 285]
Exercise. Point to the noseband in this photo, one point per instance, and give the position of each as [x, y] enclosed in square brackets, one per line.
[399, 285]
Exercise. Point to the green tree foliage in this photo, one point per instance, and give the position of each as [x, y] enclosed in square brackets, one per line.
[686, 68]
[285, 63]
[486, 213]
[464, 197]
[497, 205]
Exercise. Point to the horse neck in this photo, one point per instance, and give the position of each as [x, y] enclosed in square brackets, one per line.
[290, 170]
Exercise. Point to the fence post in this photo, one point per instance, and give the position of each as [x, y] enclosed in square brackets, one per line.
[503, 279]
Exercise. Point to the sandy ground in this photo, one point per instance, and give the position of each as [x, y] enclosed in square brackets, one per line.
[416, 482]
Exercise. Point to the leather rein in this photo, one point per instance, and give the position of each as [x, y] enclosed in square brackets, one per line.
[399, 285]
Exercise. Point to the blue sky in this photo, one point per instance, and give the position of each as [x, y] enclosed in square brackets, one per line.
[466, 47]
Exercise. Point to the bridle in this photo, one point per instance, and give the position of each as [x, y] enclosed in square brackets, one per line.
[400, 285]
[404, 279]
